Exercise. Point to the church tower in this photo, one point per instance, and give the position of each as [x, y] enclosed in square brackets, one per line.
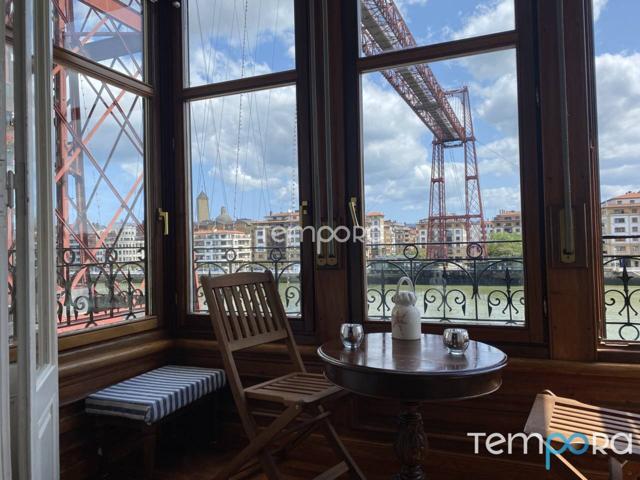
[203, 207]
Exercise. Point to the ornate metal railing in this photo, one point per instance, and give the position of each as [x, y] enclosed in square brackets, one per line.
[622, 289]
[99, 286]
[283, 262]
[479, 283]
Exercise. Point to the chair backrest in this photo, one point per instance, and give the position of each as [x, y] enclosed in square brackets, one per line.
[246, 311]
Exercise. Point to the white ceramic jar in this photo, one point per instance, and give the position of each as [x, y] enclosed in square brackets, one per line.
[405, 316]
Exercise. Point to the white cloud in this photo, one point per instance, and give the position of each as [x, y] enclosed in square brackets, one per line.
[490, 17]
[495, 199]
[500, 158]
[264, 34]
[619, 121]
[598, 7]
[257, 176]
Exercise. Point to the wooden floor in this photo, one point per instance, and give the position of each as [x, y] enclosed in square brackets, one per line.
[200, 462]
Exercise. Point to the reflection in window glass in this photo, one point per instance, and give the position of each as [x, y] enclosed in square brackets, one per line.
[442, 188]
[11, 167]
[397, 24]
[231, 39]
[100, 214]
[617, 62]
[107, 32]
[244, 183]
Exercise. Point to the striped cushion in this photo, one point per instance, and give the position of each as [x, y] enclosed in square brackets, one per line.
[155, 394]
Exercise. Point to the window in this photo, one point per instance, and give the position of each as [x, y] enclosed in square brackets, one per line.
[242, 146]
[111, 35]
[452, 128]
[234, 39]
[101, 149]
[617, 62]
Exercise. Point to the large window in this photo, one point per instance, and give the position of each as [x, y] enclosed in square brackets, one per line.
[617, 64]
[100, 157]
[243, 143]
[442, 162]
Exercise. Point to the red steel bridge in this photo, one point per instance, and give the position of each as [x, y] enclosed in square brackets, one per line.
[446, 113]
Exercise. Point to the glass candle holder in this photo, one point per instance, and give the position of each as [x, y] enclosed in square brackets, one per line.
[351, 335]
[456, 340]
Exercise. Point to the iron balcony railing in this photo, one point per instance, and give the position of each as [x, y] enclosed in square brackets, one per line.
[95, 286]
[478, 283]
[621, 262]
[284, 263]
[473, 283]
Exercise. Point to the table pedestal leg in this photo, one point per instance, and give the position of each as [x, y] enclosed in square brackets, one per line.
[410, 443]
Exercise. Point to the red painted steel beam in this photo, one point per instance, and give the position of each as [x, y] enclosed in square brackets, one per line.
[118, 11]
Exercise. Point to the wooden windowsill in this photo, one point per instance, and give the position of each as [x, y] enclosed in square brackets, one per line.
[82, 338]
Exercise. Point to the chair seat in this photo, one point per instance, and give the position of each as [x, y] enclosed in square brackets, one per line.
[294, 388]
[156, 394]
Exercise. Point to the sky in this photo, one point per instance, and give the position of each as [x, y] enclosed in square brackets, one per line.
[244, 147]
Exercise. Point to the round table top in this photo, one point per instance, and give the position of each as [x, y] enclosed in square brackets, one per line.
[413, 369]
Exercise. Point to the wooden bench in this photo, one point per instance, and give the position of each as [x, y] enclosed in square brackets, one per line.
[146, 401]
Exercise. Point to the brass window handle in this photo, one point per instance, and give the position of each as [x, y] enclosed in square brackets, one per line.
[163, 216]
[352, 208]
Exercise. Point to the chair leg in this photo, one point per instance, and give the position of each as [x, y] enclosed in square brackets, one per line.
[257, 446]
[334, 440]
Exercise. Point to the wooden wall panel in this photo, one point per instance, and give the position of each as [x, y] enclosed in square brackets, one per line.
[368, 423]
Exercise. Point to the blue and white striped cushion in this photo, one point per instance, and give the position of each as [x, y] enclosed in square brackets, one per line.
[155, 394]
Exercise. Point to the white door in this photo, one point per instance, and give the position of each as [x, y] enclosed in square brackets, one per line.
[36, 340]
[5, 434]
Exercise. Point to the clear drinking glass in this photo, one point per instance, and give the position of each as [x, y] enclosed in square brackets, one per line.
[351, 335]
[456, 340]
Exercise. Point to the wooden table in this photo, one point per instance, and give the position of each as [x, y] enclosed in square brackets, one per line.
[413, 372]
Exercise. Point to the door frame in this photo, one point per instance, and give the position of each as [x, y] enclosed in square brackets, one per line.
[5, 400]
[37, 359]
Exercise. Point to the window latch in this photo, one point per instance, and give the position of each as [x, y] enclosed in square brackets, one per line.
[352, 208]
[163, 216]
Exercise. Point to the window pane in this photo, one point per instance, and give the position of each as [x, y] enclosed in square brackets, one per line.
[395, 25]
[100, 214]
[617, 50]
[442, 189]
[244, 181]
[109, 32]
[231, 39]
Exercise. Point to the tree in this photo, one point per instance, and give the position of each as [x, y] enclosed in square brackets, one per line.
[512, 246]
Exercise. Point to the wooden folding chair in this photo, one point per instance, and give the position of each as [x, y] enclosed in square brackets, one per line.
[551, 414]
[246, 311]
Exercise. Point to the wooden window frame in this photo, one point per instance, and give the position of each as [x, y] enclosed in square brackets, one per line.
[618, 351]
[198, 324]
[524, 41]
[145, 89]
